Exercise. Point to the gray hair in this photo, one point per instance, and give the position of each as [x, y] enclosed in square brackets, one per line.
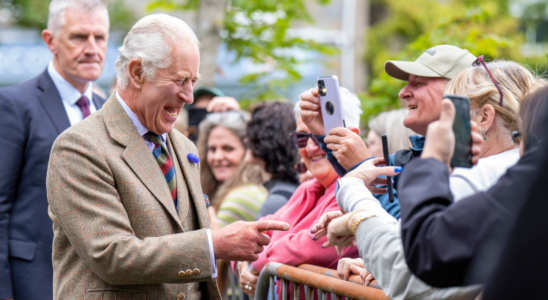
[57, 8]
[351, 108]
[391, 123]
[151, 40]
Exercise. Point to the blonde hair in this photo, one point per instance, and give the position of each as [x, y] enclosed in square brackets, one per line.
[391, 123]
[515, 81]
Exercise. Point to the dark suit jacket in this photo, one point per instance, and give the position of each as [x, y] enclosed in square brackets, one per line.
[32, 115]
[454, 244]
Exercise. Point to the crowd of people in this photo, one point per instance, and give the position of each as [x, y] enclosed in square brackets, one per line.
[110, 199]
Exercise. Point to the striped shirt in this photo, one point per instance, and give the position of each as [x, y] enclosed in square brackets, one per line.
[242, 204]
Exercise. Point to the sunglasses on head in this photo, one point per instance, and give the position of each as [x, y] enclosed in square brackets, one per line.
[479, 62]
[300, 139]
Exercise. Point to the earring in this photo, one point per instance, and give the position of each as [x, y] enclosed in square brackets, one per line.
[484, 135]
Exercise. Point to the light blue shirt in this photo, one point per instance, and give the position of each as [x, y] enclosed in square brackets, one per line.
[70, 95]
[142, 131]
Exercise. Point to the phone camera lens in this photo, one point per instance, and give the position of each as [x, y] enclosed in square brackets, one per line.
[329, 108]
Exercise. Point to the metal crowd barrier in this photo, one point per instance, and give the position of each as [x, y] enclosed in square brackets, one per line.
[319, 279]
[234, 287]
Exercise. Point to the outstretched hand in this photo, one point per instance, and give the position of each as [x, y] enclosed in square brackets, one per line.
[369, 172]
[311, 112]
[243, 241]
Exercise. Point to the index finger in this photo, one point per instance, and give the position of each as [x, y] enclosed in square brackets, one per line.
[270, 225]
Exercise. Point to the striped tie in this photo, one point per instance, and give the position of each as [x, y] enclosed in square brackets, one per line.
[164, 161]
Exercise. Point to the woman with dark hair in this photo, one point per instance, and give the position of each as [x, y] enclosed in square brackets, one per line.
[270, 147]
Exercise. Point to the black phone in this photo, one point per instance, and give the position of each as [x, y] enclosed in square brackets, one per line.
[462, 156]
[195, 117]
[385, 153]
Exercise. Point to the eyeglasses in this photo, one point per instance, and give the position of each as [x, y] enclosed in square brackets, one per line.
[227, 117]
[300, 139]
[515, 136]
[480, 61]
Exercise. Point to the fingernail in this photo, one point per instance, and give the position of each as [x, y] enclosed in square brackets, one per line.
[322, 246]
[398, 169]
[286, 226]
[318, 226]
[311, 230]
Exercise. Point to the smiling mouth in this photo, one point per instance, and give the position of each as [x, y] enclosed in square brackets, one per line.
[413, 106]
[317, 157]
[172, 112]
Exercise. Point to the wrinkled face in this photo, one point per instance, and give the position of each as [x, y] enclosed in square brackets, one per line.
[374, 144]
[423, 96]
[225, 152]
[81, 44]
[315, 159]
[161, 101]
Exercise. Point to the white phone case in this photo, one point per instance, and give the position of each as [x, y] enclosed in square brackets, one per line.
[333, 96]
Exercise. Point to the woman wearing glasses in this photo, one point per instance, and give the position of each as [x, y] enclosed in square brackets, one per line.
[381, 249]
[308, 203]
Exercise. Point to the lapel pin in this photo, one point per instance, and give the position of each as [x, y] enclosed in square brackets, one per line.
[193, 158]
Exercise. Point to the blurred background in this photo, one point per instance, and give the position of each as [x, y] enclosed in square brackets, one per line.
[270, 49]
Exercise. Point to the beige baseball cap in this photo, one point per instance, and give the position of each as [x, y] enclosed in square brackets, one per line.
[439, 61]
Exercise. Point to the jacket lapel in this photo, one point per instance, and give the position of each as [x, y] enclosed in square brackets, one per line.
[137, 154]
[98, 101]
[52, 102]
[192, 178]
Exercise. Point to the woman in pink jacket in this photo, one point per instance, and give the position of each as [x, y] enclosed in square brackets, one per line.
[311, 199]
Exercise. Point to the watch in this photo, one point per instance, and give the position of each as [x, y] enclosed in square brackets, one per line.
[360, 216]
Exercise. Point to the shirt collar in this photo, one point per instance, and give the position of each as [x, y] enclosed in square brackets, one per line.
[69, 94]
[135, 120]
[417, 141]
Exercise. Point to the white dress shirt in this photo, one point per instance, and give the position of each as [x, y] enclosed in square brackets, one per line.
[142, 131]
[70, 95]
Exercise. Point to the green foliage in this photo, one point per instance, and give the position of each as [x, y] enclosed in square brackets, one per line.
[484, 27]
[258, 30]
[34, 13]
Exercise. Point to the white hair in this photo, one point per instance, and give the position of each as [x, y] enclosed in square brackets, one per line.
[351, 108]
[57, 8]
[151, 40]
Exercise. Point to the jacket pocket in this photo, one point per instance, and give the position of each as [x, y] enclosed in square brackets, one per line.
[22, 250]
[105, 294]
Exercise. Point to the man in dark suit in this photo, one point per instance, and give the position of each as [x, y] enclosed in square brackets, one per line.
[32, 115]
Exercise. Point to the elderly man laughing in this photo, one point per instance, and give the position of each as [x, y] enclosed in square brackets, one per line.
[130, 220]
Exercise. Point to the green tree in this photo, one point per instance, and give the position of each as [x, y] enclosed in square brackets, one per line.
[258, 30]
[34, 13]
[484, 27]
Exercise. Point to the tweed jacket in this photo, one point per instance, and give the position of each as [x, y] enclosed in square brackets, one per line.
[117, 233]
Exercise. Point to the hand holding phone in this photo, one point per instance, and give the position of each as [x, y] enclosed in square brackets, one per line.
[462, 156]
[386, 155]
[331, 103]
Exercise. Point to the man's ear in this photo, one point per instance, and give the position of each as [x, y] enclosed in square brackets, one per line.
[47, 36]
[136, 75]
[487, 116]
[355, 130]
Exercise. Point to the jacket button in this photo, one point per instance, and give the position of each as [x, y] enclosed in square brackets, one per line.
[182, 274]
[196, 272]
[180, 296]
[188, 272]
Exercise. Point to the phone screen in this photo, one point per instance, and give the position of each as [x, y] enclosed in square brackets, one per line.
[462, 157]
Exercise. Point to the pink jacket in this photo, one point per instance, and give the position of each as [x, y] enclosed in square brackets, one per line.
[295, 246]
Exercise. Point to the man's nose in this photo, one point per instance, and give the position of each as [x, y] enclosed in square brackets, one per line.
[187, 95]
[406, 92]
[91, 47]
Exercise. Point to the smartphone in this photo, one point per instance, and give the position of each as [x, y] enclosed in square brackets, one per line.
[195, 117]
[331, 104]
[385, 153]
[462, 157]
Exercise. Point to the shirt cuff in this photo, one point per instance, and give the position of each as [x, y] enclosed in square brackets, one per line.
[211, 254]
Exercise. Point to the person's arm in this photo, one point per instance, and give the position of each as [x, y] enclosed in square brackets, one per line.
[299, 248]
[330, 157]
[12, 150]
[383, 256]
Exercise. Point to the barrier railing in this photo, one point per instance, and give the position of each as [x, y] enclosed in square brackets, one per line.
[333, 273]
[316, 280]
